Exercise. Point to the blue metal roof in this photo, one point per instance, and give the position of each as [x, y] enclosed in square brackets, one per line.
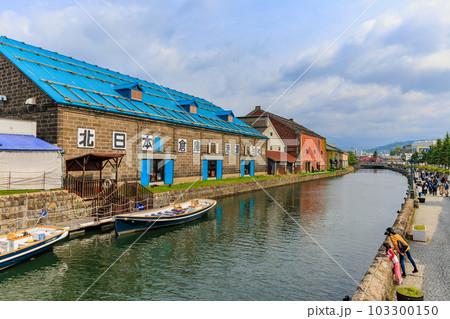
[74, 82]
[16, 142]
[127, 86]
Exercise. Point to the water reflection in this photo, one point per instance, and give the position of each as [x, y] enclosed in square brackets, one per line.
[247, 248]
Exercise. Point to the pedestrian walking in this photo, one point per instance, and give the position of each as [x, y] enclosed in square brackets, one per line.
[391, 255]
[402, 248]
[446, 188]
[425, 188]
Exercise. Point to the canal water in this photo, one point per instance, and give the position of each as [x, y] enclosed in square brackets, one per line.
[316, 246]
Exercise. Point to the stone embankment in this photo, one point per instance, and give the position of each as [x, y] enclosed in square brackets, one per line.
[23, 210]
[167, 198]
[378, 280]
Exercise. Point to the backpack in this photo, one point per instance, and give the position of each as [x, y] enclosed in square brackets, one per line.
[402, 246]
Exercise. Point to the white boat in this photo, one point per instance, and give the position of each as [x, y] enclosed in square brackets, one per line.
[162, 217]
[19, 246]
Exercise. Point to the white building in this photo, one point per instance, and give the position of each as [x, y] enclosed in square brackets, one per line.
[420, 146]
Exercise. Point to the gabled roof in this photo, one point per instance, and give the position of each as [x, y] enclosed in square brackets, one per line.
[281, 157]
[73, 82]
[126, 86]
[334, 148]
[291, 124]
[92, 161]
[225, 113]
[17, 142]
[186, 102]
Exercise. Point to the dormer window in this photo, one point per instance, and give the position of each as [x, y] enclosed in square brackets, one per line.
[225, 115]
[189, 106]
[132, 91]
[136, 95]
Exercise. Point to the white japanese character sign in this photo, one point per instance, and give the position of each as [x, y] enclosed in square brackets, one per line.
[182, 143]
[196, 146]
[147, 142]
[86, 138]
[119, 141]
[227, 149]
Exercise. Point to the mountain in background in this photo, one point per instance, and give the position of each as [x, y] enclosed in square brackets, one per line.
[387, 148]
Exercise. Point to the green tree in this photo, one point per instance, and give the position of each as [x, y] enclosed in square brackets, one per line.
[395, 151]
[437, 152]
[429, 155]
[375, 155]
[352, 160]
[445, 154]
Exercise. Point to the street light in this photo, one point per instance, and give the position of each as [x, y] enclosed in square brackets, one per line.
[411, 177]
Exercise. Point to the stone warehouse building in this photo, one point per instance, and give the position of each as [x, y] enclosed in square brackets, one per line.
[305, 146]
[167, 136]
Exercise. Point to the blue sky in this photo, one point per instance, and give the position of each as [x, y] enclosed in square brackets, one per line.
[385, 80]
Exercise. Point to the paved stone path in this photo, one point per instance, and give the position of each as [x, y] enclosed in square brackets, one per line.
[433, 257]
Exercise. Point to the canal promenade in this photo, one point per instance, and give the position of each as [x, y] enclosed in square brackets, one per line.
[432, 257]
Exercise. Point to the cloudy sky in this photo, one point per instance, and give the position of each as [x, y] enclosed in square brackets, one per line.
[372, 76]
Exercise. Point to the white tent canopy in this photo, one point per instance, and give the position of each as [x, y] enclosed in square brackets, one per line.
[27, 162]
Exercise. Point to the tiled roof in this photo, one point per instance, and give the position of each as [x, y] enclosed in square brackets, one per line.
[334, 148]
[74, 82]
[293, 125]
[281, 157]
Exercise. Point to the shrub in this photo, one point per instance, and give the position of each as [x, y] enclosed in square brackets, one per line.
[410, 291]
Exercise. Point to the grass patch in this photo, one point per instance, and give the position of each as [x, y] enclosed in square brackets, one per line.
[23, 191]
[215, 182]
[419, 227]
[410, 291]
[435, 169]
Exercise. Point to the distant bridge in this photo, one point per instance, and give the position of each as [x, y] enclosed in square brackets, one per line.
[393, 167]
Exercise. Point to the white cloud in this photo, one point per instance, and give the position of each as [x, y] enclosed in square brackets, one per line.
[386, 78]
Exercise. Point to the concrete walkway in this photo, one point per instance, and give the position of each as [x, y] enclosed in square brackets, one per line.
[432, 258]
[77, 226]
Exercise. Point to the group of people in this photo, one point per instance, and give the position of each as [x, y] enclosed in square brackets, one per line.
[401, 248]
[430, 183]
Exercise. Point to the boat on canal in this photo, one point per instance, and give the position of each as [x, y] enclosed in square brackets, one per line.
[19, 246]
[163, 217]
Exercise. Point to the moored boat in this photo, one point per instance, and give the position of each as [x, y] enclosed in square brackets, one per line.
[19, 246]
[162, 217]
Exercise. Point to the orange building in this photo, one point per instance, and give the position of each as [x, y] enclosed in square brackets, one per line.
[308, 147]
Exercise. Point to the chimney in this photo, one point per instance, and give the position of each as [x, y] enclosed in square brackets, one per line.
[257, 107]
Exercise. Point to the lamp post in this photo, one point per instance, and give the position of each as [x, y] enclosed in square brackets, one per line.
[411, 177]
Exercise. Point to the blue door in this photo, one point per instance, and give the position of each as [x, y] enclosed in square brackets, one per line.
[168, 172]
[252, 168]
[205, 170]
[145, 172]
[242, 168]
[219, 169]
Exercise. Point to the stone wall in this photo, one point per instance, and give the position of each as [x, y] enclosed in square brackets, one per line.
[167, 198]
[377, 282]
[187, 166]
[22, 210]
[18, 88]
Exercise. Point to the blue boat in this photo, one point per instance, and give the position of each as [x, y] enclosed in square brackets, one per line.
[162, 217]
[19, 246]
